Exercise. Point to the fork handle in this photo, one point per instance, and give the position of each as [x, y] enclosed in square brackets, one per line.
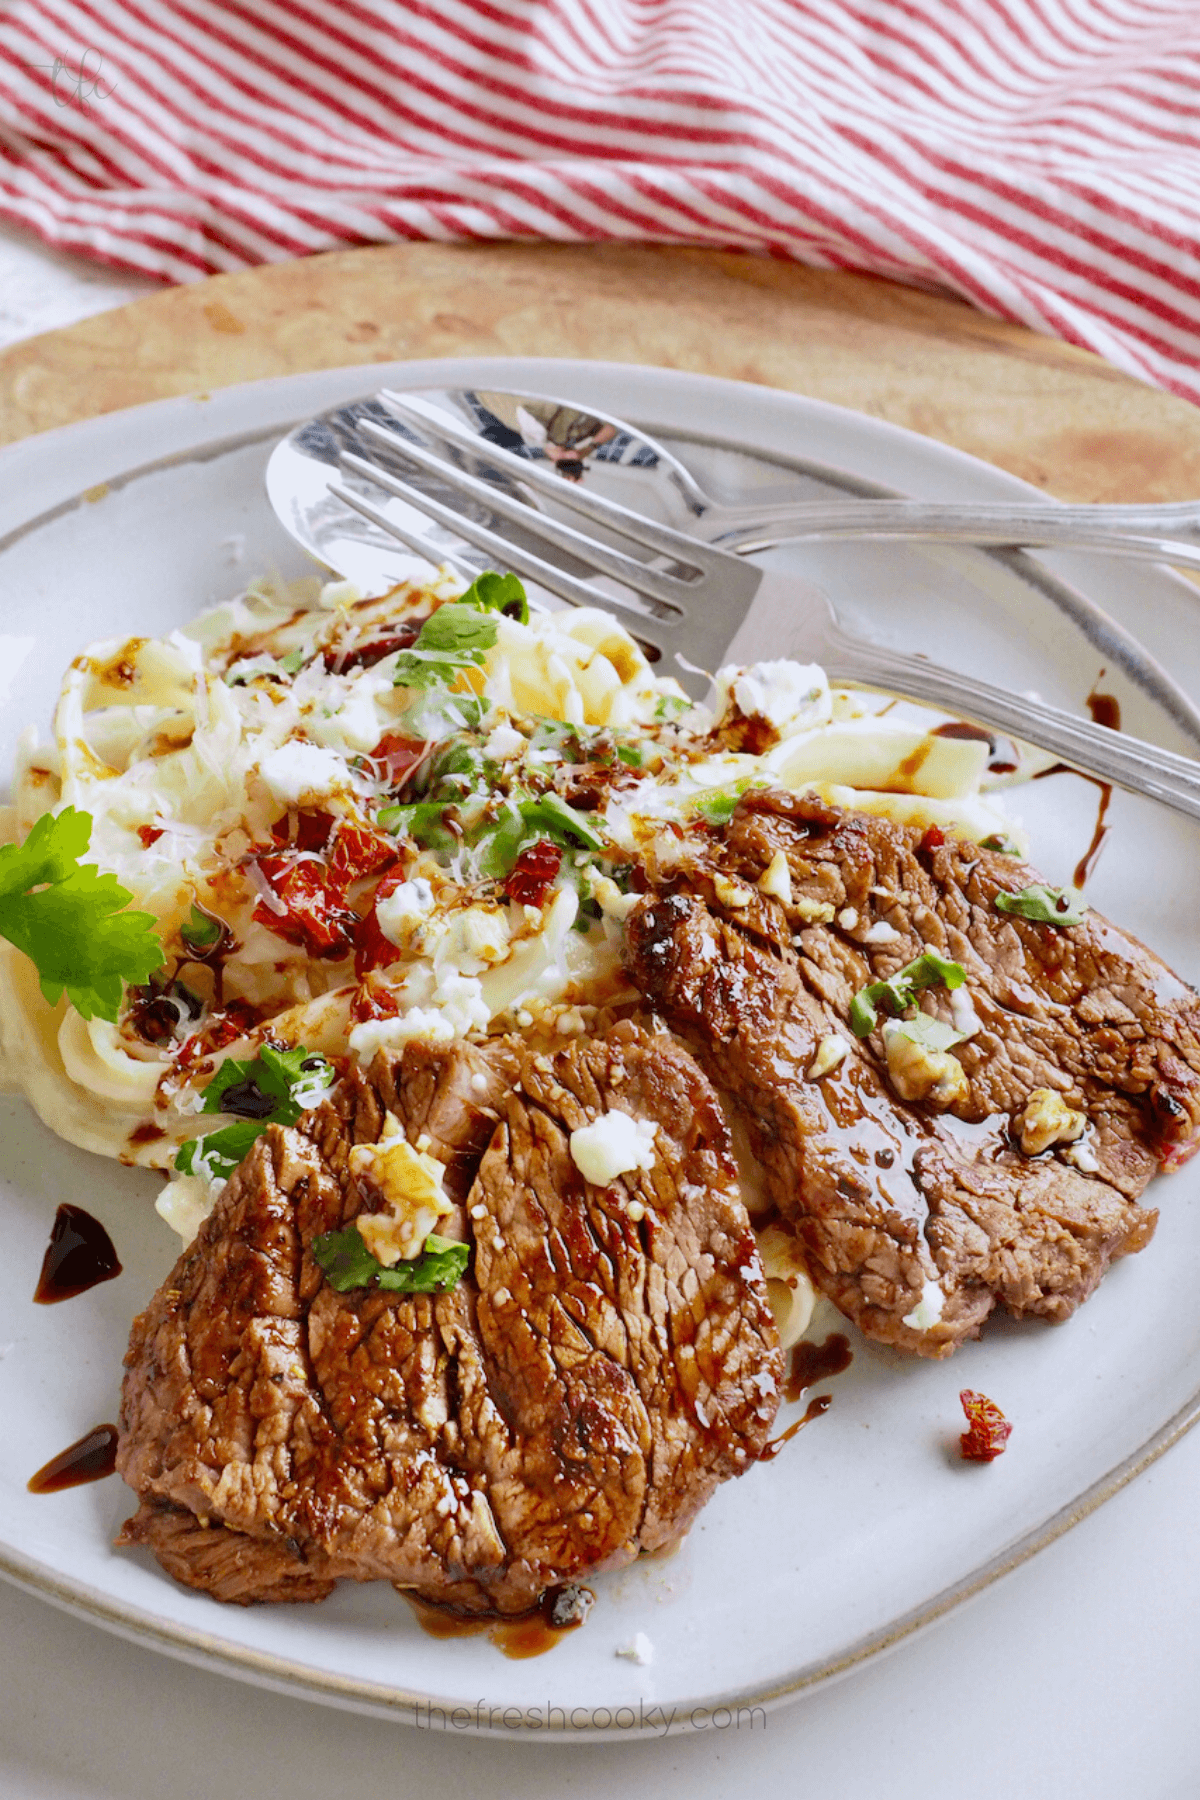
[1168, 534]
[1127, 762]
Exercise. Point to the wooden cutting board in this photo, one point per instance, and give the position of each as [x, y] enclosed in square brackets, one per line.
[1058, 416]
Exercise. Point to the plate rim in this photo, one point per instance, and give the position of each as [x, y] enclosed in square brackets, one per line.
[55, 488]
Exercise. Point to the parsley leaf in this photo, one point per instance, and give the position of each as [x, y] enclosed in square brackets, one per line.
[454, 638]
[273, 1089]
[349, 1264]
[218, 1154]
[1044, 905]
[900, 989]
[69, 919]
[497, 593]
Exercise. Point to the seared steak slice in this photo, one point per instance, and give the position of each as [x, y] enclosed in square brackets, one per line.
[888, 1196]
[608, 1358]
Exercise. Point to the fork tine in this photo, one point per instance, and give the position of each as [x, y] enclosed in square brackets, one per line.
[666, 590]
[662, 637]
[663, 539]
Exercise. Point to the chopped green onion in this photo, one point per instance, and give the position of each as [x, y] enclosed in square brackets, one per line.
[1044, 905]
[900, 990]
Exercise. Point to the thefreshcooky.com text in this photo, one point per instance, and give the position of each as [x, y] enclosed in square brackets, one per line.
[484, 1716]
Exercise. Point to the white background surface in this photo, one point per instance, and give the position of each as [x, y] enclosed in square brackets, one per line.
[1075, 1677]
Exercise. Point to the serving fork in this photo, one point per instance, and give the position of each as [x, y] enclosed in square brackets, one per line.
[692, 605]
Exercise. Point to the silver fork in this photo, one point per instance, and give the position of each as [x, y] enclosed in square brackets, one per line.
[706, 606]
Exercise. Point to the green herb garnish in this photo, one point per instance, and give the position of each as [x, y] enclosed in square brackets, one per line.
[716, 806]
[201, 930]
[1044, 905]
[275, 1088]
[497, 593]
[932, 1034]
[69, 919]
[349, 1264]
[900, 990]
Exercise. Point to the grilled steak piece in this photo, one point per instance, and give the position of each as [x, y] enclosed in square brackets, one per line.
[608, 1358]
[889, 1195]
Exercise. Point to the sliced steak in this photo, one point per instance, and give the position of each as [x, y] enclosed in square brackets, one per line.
[887, 1195]
[608, 1358]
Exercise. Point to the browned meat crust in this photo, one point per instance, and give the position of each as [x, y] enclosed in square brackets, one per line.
[609, 1358]
[885, 1195]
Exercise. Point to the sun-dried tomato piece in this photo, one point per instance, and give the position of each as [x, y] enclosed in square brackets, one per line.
[149, 834]
[314, 915]
[358, 851]
[237, 1019]
[372, 950]
[373, 1000]
[933, 839]
[532, 875]
[988, 1431]
[365, 656]
[396, 756]
[312, 829]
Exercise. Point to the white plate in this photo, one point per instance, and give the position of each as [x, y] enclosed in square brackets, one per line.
[868, 1525]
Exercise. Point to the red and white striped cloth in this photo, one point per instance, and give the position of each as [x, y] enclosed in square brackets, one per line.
[1040, 158]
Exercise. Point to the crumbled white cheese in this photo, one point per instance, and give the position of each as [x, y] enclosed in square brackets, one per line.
[776, 878]
[847, 918]
[731, 893]
[411, 1184]
[398, 911]
[1082, 1157]
[186, 1202]
[813, 912]
[609, 898]
[831, 1051]
[503, 743]
[928, 1310]
[455, 1008]
[615, 1144]
[788, 695]
[881, 933]
[638, 1650]
[1047, 1120]
[919, 1073]
[299, 771]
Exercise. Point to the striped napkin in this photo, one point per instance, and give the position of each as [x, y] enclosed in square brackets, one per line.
[1039, 158]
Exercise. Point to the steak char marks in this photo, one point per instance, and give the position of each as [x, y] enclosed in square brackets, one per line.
[607, 1360]
[888, 1197]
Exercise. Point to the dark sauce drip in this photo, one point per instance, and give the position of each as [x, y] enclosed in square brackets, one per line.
[1091, 856]
[79, 1256]
[157, 1012]
[958, 728]
[818, 1405]
[1104, 708]
[213, 958]
[817, 1362]
[560, 1611]
[91, 1459]
[1001, 756]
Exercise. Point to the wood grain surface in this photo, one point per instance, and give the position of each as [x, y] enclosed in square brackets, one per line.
[1058, 416]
